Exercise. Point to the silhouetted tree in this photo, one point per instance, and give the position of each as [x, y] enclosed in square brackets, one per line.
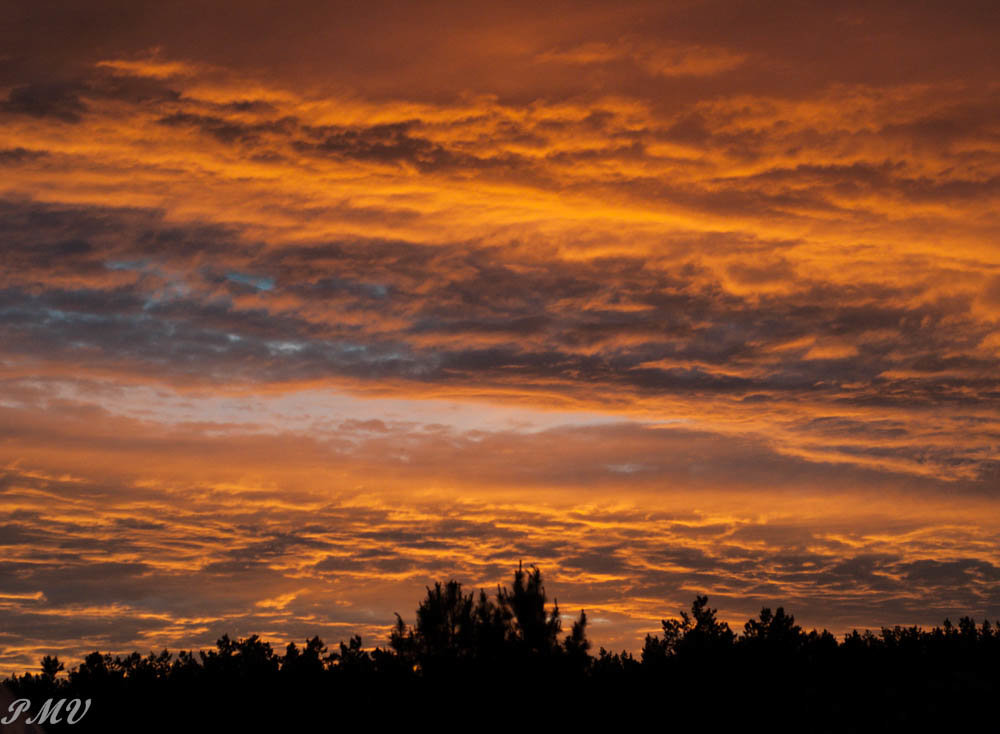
[774, 633]
[51, 667]
[307, 662]
[536, 630]
[445, 630]
[700, 633]
[577, 645]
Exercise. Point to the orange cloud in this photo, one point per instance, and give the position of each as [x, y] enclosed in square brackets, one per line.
[665, 298]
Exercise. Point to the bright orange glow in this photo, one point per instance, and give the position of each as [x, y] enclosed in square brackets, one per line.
[301, 310]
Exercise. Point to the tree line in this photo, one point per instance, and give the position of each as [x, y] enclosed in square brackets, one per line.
[468, 658]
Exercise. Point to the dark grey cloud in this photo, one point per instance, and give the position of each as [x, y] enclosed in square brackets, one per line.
[20, 155]
[60, 101]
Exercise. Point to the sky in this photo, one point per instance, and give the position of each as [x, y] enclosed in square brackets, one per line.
[306, 305]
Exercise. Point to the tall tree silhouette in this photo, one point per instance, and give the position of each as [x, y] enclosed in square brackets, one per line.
[445, 631]
[699, 633]
[536, 630]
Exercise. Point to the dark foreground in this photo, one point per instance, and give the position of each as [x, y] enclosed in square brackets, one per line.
[473, 662]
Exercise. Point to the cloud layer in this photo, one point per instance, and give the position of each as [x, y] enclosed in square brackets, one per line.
[664, 300]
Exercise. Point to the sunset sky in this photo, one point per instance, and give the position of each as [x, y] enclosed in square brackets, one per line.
[305, 305]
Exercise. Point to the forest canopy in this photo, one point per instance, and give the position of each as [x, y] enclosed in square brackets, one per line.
[469, 652]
